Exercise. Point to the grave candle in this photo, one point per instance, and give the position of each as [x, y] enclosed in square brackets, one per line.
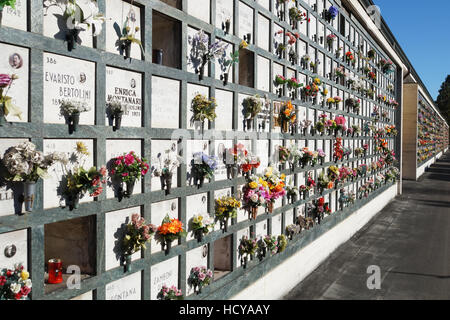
[55, 271]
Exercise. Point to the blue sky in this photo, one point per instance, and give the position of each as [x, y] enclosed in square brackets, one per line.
[422, 30]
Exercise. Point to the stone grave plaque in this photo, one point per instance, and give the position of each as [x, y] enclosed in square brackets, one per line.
[165, 103]
[261, 229]
[245, 21]
[218, 67]
[13, 249]
[224, 110]
[262, 148]
[15, 60]
[274, 153]
[68, 79]
[53, 184]
[189, 67]
[278, 37]
[125, 87]
[197, 257]
[277, 70]
[276, 111]
[115, 227]
[193, 146]
[197, 204]
[199, 9]
[192, 91]
[240, 234]
[290, 73]
[263, 32]
[55, 25]
[117, 12]
[127, 288]
[220, 148]
[9, 193]
[85, 296]
[289, 217]
[218, 194]
[312, 27]
[302, 27]
[17, 17]
[276, 225]
[115, 148]
[263, 80]
[159, 211]
[158, 154]
[224, 11]
[165, 272]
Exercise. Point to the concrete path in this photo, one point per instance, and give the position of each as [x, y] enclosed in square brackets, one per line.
[409, 240]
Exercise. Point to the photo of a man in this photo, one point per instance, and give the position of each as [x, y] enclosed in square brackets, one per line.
[16, 61]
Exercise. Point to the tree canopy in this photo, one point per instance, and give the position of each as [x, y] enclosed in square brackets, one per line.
[443, 99]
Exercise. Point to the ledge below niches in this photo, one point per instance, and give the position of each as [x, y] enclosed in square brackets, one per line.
[423, 167]
[274, 278]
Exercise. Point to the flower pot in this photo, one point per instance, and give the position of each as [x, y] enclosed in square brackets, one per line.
[163, 182]
[199, 235]
[284, 126]
[254, 212]
[71, 38]
[200, 181]
[270, 207]
[225, 78]
[74, 120]
[249, 124]
[158, 56]
[225, 225]
[232, 171]
[127, 48]
[127, 262]
[293, 198]
[117, 120]
[168, 246]
[2, 115]
[29, 192]
[305, 195]
[244, 261]
[227, 26]
[249, 38]
[167, 177]
[130, 187]
[74, 201]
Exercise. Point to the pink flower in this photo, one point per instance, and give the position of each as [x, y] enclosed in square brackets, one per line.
[25, 291]
[5, 80]
[103, 170]
[125, 174]
[129, 159]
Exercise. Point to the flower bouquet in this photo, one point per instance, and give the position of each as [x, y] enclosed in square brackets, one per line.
[287, 116]
[71, 111]
[292, 230]
[129, 168]
[349, 57]
[81, 180]
[296, 15]
[226, 64]
[26, 164]
[201, 225]
[6, 105]
[78, 18]
[330, 39]
[202, 52]
[256, 194]
[282, 243]
[293, 85]
[226, 208]
[170, 230]
[292, 193]
[15, 284]
[279, 82]
[172, 293]
[203, 109]
[136, 235]
[247, 248]
[321, 156]
[271, 243]
[251, 107]
[165, 168]
[307, 157]
[323, 182]
[294, 156]
[320, 207]
[199, 277]
[331, 13]
[338, 150]
[203, 166]
[304, 61]
[116, 110]
[250, 162]
[275, 184]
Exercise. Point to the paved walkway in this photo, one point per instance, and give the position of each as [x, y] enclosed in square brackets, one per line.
[409, 240]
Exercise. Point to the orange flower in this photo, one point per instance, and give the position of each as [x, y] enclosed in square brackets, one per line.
[330, 185]
[174, 226]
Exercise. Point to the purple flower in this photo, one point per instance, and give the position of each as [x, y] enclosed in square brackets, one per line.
[333, 11]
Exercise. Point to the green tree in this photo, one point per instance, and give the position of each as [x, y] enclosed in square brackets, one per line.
[443, 99]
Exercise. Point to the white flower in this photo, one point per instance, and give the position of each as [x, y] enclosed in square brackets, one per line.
[254, 198]
[28, 283]
[15, 287]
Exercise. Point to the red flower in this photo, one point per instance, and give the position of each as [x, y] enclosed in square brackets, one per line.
[18, 296]
[9, 273]
[321, 202]
[2, 280]
[25, 291]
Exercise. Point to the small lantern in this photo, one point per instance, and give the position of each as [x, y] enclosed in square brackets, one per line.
[55, 271]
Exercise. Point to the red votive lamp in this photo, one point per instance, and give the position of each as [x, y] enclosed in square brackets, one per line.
[55, 271]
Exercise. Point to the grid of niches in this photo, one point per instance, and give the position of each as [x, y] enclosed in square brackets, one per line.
[432, 132]
[37, 131]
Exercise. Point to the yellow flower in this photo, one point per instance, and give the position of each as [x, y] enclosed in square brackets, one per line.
[243, 44]
[253, 185]
[317, 81]
[325, 92]
[81, 148]
[268, 171]
[24, 275]
[283, 176]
